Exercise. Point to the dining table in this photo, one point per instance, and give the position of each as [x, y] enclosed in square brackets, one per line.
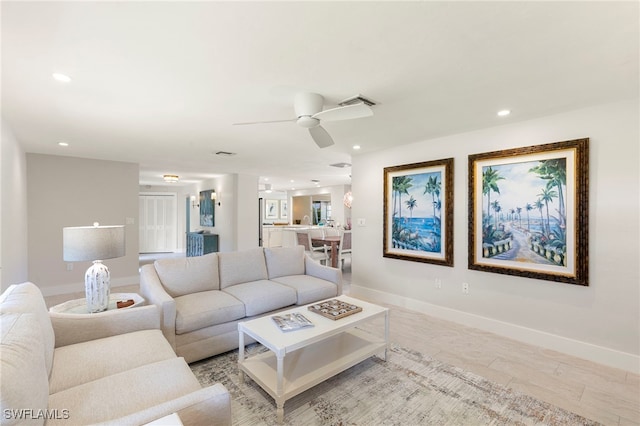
[334, 242]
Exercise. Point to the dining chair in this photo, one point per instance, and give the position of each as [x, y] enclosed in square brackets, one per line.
[331, 232]
[316, 253]
[344, 250]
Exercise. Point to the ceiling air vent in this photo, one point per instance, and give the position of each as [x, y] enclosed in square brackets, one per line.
[341, 165]
[357, 99]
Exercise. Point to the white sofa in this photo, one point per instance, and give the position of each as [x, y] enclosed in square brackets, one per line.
[202, 299]
[112, 368]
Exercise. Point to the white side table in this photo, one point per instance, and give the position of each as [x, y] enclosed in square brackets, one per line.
[79, 306]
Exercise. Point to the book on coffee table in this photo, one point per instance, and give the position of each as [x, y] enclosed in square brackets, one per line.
[290, 322]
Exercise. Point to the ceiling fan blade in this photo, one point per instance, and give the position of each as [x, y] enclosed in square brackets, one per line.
[264, 122]
[321, 137]
[347, 112]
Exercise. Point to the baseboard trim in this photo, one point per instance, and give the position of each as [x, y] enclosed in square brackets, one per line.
[79, 286]
[599, 354]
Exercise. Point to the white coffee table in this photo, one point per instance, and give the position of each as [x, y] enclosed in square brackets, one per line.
[298, 360]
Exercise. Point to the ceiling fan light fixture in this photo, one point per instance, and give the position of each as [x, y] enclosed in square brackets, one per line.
[307, 122]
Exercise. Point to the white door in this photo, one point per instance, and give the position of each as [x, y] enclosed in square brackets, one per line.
[158, 223]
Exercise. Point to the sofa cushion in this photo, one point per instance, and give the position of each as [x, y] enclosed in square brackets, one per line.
[186, 275]
[27, 298]
[283, 261]
[124, 393]
[104, 357]
[24, 383]
[241, 267]
[200, 310]
[262, 296]
[309, 289]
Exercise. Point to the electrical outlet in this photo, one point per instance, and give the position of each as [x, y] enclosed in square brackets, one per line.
[438, 283]
[69, 266]
[362, 222]
[465, 288]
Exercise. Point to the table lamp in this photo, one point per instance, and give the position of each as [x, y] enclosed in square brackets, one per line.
[96, 243]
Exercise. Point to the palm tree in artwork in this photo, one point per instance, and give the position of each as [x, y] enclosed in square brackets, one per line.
[490, 178]
[433, 187]
[496, 208]
[528, 208]
[411, 203]
[401, 185]
[438, 206]
[554, 171]
[539, 205]
[547, 195]
[519, 211]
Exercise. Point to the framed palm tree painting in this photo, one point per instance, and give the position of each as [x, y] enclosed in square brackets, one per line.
[528, 211]
[418, 212]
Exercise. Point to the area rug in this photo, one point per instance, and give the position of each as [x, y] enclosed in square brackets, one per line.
[408, 389]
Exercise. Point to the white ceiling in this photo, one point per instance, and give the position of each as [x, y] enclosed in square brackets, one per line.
[161, 83]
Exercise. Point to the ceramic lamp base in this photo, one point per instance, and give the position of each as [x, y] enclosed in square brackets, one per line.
[96, 285]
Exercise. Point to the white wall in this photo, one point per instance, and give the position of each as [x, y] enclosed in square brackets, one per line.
[67, 191]
[600, 322]
[248, 220]
[13, 211]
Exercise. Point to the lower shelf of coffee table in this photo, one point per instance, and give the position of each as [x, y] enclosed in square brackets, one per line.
[313, 364]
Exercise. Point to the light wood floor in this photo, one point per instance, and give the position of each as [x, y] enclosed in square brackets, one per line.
[598, 392]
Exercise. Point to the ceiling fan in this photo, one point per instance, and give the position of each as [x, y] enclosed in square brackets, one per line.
[309, 114]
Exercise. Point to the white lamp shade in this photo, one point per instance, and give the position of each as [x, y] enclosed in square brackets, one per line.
[82, 243]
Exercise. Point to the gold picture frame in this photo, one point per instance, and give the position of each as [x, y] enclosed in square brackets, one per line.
[528, 211]
[418, 212]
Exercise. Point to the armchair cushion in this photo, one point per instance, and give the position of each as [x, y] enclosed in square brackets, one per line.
[262, 296]
[125, 393]
[103, 357]
[186, 275]
[241, 267]
[200, 310]
[284, 261]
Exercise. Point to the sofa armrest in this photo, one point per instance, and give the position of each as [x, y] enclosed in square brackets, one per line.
[153, 291]
[76, 328]
[327, 273]
[207, 406]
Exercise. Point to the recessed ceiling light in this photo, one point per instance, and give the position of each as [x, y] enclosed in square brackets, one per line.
[63, 144]
[61, 77]
[356, 147]
[503, 113]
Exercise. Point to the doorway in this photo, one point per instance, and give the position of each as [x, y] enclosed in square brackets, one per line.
[158, 222]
